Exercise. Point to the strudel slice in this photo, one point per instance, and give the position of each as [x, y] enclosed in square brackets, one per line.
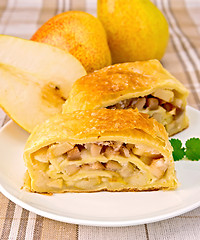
[96, 150]
[145, 85]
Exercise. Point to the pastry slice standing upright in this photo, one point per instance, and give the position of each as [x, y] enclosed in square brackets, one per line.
[144, 85]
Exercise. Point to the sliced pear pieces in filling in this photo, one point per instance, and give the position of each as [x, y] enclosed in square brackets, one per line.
[100, 162]
[60, 148]
[164, 94]
[162, 104]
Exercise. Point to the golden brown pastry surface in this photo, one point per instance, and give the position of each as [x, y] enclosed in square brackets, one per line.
[95, 150]
[113, 86]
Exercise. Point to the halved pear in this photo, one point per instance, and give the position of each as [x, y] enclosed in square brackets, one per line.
[27, 98]
[42, 59]
[35, 80]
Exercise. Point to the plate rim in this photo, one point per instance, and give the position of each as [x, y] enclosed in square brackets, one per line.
[98, 223]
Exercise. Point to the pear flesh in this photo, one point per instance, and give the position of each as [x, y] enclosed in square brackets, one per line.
[42, 59]
[35, 81]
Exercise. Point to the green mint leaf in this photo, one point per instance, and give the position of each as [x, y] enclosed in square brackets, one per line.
[193, 148]
[176, 143]
[178, 152]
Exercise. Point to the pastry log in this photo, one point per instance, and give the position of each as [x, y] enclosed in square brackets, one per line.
[145, 85]
[99, 150]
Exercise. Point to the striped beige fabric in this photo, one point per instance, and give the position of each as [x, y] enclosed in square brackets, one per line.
[22, 18]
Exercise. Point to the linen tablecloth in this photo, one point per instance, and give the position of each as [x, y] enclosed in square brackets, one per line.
[22, 18]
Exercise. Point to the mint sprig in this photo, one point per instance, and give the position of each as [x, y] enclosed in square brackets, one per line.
[191, 151]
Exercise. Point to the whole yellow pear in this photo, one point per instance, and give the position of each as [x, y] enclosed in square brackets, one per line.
[80, 34]
[136, 29]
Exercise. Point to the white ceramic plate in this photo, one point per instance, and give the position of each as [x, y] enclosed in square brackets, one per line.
[104, 208]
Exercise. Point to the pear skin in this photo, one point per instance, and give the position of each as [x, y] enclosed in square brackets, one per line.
[79, 33]
[136, 29]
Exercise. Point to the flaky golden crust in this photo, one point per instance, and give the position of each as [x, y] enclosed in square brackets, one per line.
[81, 125]
[111, 84]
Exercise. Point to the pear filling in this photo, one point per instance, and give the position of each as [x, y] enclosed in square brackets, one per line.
[163, 105]
[105, 161]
